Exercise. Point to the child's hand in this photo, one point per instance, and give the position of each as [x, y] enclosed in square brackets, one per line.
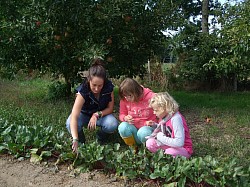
[150, 123]
[129, 119]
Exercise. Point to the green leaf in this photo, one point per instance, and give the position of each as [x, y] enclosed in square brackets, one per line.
[117, 147]
[219, 170]
[182, 182]
[35, 158]
[58, 146]
[211, 180]
[173, 184]
[154, 175]
[34, 150]
[2, 148]
[45, 153]
[7, 130]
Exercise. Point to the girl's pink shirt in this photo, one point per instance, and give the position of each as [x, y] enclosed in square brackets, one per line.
[140, 111]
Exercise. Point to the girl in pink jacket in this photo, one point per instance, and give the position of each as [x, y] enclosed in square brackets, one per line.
[134, 112]
[171, 133]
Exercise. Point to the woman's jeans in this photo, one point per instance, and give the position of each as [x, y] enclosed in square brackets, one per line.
[126, 130]
[108, 125]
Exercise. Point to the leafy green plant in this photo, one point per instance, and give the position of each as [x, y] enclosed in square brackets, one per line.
[35, 158]
[40, 143]
[57, 90]
[19, 139]
[40, 131]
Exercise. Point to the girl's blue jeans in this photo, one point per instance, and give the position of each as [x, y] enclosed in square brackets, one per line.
[126, 130]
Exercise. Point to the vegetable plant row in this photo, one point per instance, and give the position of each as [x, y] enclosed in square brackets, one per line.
[38, 142]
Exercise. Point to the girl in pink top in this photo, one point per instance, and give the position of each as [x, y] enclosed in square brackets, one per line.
[134, 112]
[172, 133]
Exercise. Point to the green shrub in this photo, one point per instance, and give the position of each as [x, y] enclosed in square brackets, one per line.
[56, 91]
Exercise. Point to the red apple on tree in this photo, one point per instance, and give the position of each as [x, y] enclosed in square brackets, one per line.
[58, 46]
[127, 19]
[38, 23]
[80, 59]
[109, 41]
[57, 37]
[109, 59]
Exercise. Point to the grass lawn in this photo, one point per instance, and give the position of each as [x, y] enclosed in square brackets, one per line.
[219, 122]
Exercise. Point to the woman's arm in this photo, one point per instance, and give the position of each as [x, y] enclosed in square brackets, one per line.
[104, 112]
[79, 101]
[109, 109]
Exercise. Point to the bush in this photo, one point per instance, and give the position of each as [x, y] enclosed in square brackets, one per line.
[56, 91]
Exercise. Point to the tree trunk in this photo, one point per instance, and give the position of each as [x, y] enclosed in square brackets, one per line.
[205, 8]
[68, 86]
[235, 83]
[68, 90]
[149, 71]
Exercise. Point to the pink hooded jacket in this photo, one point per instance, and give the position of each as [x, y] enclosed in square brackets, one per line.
[139, 111]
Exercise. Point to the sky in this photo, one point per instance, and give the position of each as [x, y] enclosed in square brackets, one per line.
[222, 1]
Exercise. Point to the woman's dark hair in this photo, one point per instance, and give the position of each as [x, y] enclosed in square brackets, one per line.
[130, 87]
[97, 70]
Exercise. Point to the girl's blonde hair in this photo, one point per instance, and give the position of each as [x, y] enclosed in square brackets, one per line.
[164, 101]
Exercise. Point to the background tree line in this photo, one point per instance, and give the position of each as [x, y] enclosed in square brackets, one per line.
[61, 36]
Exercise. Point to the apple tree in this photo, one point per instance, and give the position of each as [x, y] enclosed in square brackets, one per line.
[61, 36]
[232, 65]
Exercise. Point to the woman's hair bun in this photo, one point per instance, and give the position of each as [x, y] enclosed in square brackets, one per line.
[98, 62]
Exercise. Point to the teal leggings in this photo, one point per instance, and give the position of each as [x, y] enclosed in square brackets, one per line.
[126, 130]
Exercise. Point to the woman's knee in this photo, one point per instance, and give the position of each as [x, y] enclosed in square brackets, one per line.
[109, 124]
[80, 122]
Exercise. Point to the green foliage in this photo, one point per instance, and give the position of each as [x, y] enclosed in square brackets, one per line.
[40, 142]
[35, 129]
[56, 91]
[19, 139]
[8, 72]
[233, 55]
[220, 59]
[163, 167]
[62, 36]
[40, 35]
[38, 158]
[197, 49]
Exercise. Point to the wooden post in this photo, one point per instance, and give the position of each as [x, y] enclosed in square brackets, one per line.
[149, 71]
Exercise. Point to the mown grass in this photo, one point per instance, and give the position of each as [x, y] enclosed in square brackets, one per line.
[219, 122]
[25, 102]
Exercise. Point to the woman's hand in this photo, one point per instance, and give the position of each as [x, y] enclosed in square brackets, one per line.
[129, 119]
[75, 146]
[92, 123]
